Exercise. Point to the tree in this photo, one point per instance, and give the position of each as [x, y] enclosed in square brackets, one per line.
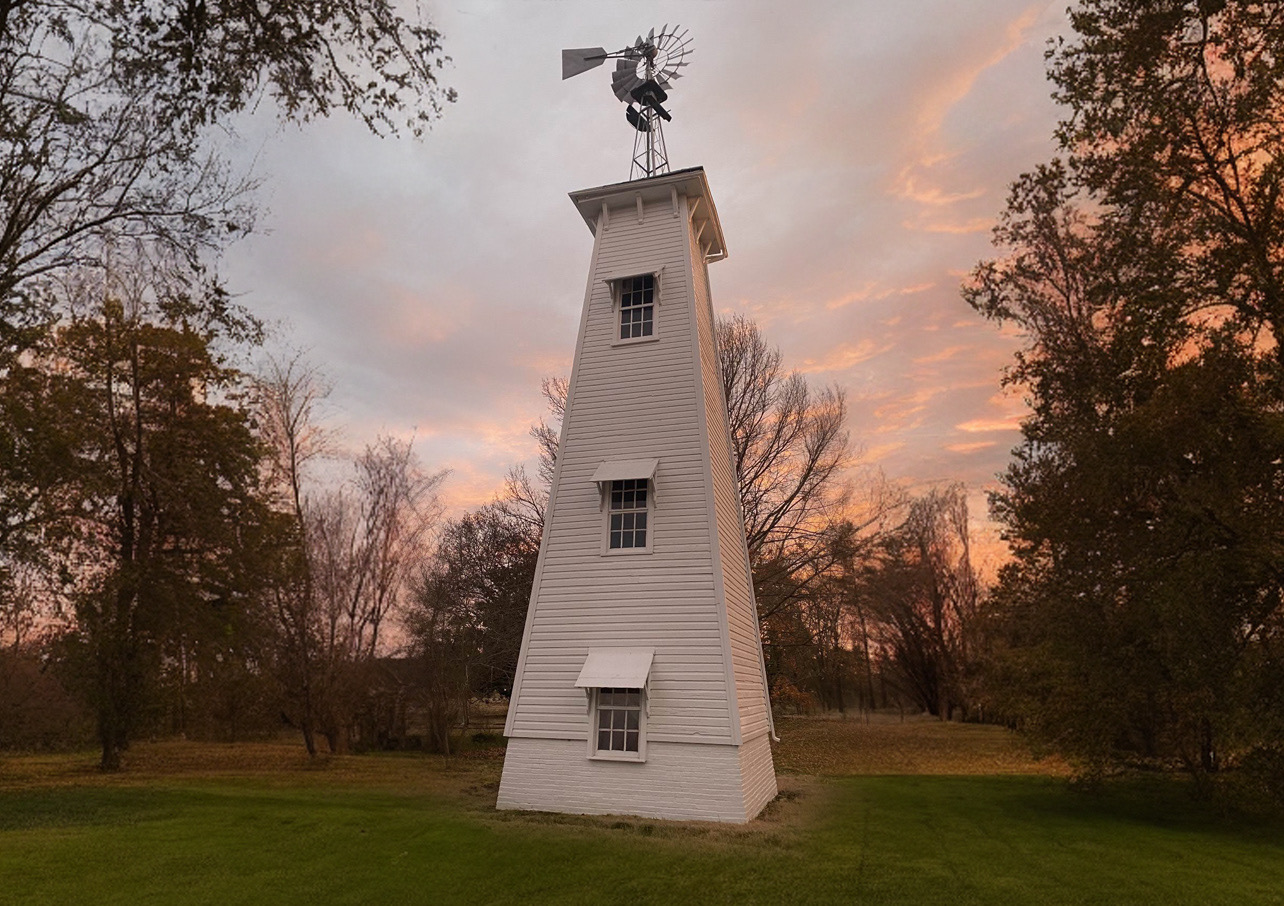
[792, 452]
[110, 116]
[922, 594]
[106, 109]
[364, 544]
[156, 496]
[469, 610]
[346, 558]
[1142, 615]
[287, 396]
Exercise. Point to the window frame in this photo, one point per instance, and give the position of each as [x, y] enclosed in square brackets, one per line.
[607, 511]
[596, 754]
[615, 284]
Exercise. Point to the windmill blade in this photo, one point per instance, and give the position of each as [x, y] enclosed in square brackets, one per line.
[623, 83]
[581, 59]
[651, 37]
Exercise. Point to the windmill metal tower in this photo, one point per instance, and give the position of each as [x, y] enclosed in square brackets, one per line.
[641, 687]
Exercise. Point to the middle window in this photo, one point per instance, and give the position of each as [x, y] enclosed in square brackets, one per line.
[628, 512]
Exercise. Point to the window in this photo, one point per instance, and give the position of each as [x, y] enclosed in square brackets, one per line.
[619, 721]
[617, 684]
[637, 307]
[628, 514]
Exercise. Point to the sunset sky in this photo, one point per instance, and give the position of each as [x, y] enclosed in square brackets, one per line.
[858, 152]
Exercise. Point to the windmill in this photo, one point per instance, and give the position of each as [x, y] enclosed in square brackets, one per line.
[641, 687]
[644, 74]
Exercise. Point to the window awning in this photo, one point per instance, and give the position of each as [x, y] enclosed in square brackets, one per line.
[624, 469]
[616, 668]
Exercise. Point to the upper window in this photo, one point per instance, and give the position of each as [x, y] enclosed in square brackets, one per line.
[637, 307]
[628, 514]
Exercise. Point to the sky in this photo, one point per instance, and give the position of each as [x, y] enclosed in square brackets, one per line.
[858, 152]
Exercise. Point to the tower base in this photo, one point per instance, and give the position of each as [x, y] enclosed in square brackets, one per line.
[678, 781]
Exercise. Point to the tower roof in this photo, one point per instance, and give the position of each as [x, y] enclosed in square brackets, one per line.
[690, 182]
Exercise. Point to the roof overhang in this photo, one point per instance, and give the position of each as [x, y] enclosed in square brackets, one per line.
[690, 182]
[616, 668]
[625, 469]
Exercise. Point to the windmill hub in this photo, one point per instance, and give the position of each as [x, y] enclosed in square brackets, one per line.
[644, 74]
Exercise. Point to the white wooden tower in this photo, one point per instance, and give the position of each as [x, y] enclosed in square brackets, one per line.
[641, 688]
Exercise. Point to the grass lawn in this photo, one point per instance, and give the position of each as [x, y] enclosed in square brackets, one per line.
[193, 823]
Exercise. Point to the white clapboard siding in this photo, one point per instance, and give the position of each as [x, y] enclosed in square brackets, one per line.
[689, 596]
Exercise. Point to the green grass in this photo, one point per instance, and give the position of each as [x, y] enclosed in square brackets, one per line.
[344, 833]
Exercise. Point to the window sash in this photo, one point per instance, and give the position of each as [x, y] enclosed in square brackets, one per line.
[627, 527]
[618, 727]
[637, 307]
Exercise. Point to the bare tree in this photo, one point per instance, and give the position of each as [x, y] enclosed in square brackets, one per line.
[923, 593]
[789, 442]
[525, 498]
[804, 521]
[289, 393]
[364, 540]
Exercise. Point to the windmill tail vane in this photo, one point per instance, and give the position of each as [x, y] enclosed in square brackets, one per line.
[644, 74]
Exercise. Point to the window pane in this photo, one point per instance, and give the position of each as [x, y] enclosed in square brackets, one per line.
[632, 722]
[617, 741]
[631, 742]
[626, 540]
[617, 540]
[604, 719]
[639, 521]
[604, 741]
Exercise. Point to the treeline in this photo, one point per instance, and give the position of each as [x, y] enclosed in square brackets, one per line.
[158, 572]
[1142, 618]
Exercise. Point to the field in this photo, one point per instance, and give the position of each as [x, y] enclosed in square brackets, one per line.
[885, 812]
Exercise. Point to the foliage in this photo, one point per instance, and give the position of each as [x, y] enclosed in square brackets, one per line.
[468, 612]
[1142, 616]
[106, 111]
[37, 711]
[147, 500]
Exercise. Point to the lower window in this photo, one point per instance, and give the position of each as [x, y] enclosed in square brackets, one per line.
[619, 722]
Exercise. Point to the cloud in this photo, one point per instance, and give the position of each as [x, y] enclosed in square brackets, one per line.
[943, 355]
[970, 448]
[844, 356]
[856, 177]
[985, 425]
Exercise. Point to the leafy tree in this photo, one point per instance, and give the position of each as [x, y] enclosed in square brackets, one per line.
[1142, 614]
[157, 492]
[106, 109]
[111, 114]
[468, 612]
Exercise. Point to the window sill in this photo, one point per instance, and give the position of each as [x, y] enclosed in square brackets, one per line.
[625, 551]
[635, 341]
[627, 757]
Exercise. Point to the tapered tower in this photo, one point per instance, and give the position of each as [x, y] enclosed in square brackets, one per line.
[641, 687]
